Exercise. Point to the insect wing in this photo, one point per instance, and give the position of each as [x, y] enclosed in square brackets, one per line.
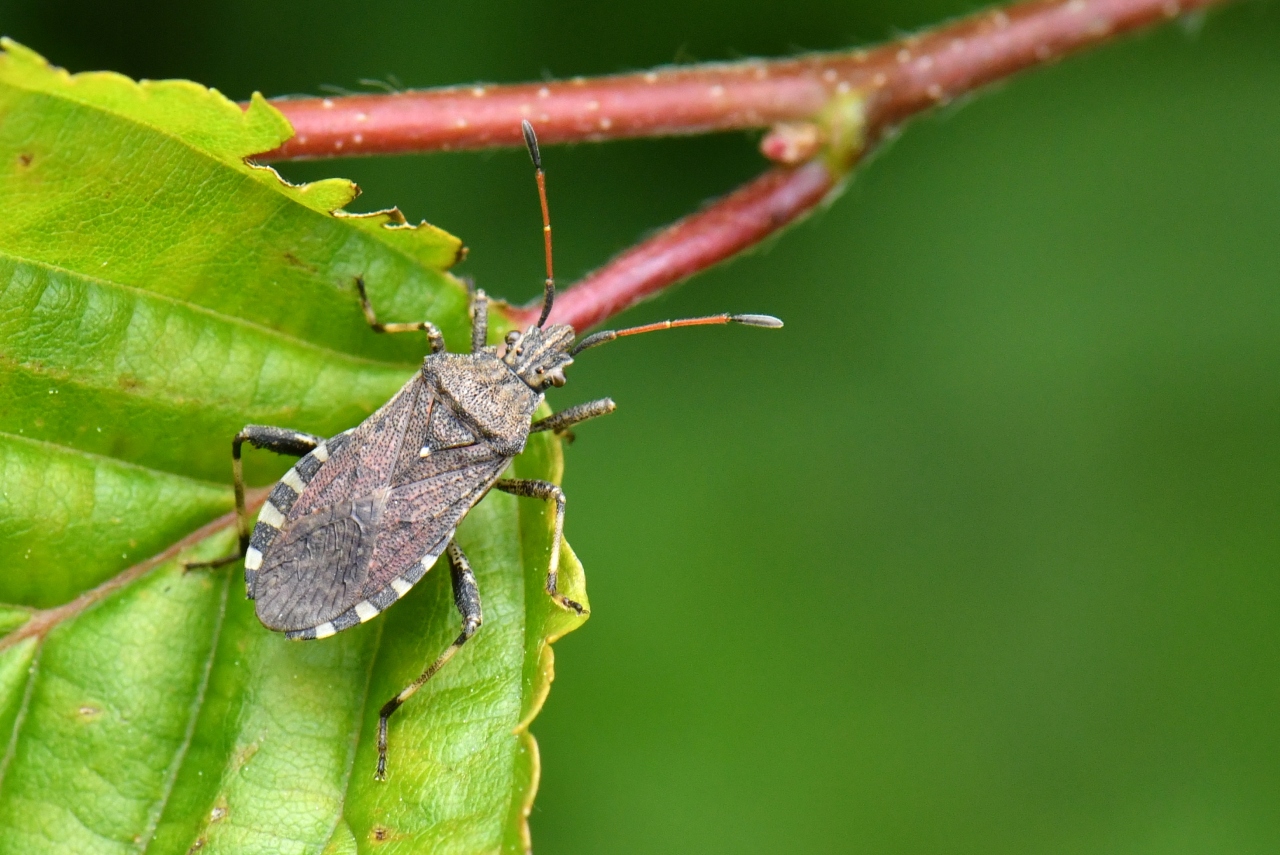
[314, 536]
[373, 515]
[428, 510]
[445, 467]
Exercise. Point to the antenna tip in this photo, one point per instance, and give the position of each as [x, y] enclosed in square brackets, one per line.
[766, 321]
[531, 142]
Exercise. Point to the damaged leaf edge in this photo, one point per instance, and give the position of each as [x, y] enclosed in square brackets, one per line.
[234, 136]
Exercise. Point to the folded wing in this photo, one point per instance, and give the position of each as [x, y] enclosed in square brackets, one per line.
[338, 559]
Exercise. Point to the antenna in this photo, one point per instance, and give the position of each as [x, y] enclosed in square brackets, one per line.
[531, 142]
[766, 321]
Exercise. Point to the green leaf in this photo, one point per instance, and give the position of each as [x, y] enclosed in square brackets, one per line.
[158, 292]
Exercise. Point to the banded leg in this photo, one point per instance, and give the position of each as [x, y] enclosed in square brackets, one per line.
[279, 440]
[561, 422]
[479, 320]
[547, 491]
[466, 596]
[434, 338]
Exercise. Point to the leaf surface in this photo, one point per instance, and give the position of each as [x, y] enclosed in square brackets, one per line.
[157, 292]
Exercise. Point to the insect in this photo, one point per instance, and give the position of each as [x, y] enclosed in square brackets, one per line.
[365, 514]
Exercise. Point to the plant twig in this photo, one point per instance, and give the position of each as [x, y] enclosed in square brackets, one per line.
[900, 79]
[811, 103]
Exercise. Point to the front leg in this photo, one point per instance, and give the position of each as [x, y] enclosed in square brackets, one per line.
[479, 320]
[434, 337]
[531, 489]
[561, 422]
[279, 440]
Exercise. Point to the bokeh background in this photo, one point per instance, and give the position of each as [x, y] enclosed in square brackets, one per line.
[979, 554]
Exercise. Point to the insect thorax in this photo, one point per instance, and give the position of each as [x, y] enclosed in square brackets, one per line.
[489, 392]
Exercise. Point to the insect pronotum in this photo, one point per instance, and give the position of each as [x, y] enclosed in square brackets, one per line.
[365, 514]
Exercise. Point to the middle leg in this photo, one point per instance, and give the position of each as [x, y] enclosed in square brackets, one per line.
[561, 422]
[279, 440]
[532, 489]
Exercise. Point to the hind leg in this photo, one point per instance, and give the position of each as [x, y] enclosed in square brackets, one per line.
[466, 596]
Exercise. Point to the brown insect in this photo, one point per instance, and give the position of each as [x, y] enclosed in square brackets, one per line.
[365, 514]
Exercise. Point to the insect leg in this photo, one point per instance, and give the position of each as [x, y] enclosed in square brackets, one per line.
[279, 440]
[479, 320]
[561, 422]
[434, 338]
[545, 490]
[466, 596]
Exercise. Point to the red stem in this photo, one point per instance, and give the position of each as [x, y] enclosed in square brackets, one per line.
[901, 78]
[893, 82]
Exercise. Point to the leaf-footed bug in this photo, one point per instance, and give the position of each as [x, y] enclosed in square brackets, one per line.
[365, 514]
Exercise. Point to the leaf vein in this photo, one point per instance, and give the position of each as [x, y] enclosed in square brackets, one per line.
[21, 717]
[93, 456]
[196, 705]
[232, 320]
[359, 730]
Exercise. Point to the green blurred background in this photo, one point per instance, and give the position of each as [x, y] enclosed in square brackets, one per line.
[979, 554]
